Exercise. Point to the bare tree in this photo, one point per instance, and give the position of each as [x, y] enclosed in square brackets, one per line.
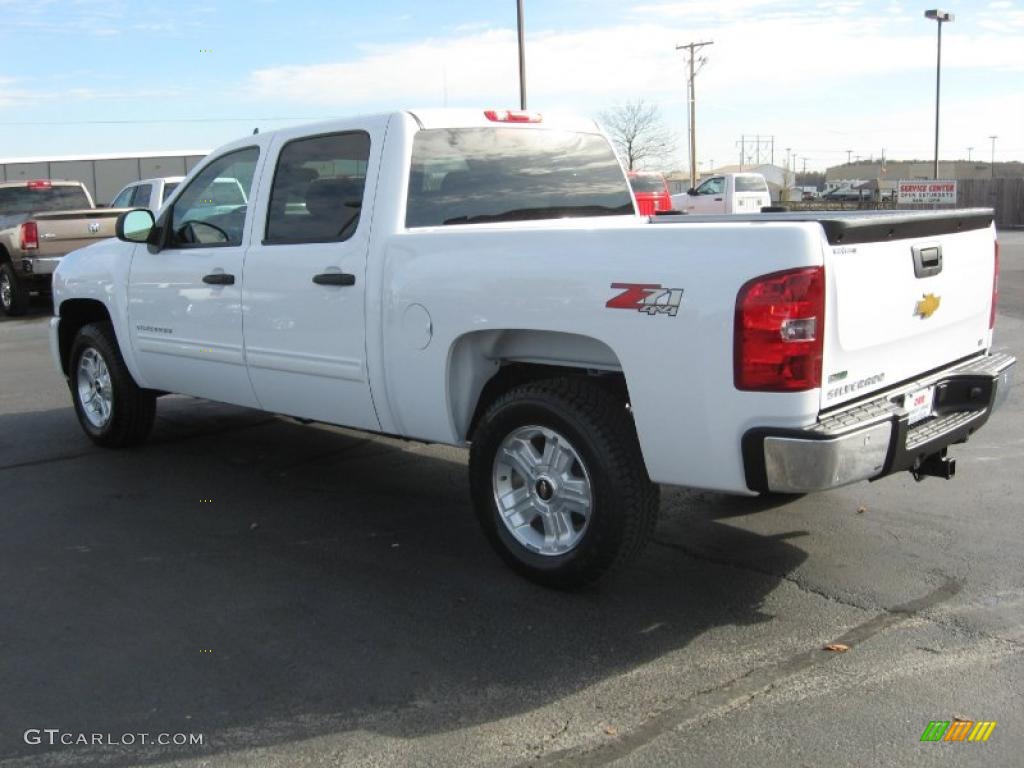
[638, 133]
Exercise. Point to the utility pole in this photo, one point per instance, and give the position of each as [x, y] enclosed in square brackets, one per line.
[522, 54]
[848, 153]
[743, 151]
[992, 165]
[773, 151]
[691, 103]
[969, 150]
[805, 165]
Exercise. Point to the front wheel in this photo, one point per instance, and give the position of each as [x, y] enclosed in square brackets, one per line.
[112, 409]
[558, 482]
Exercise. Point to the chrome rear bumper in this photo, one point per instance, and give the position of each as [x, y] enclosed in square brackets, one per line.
[873, 439]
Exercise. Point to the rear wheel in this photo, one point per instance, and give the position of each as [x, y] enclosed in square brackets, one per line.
[112, 409]
[14, 295]
[559, 484]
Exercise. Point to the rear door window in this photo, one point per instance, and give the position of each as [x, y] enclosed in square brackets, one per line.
[317, 195]
[482, 175]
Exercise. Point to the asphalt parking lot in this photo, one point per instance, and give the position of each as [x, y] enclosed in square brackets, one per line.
[306, 596]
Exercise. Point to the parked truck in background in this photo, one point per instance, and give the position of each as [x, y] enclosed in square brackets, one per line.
[481, 278]
[41, 221]
[725, 193]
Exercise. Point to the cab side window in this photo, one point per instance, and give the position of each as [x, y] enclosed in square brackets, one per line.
[317, 195]
[711, 186]
[123, 199]
[211, 210]
[142, 195]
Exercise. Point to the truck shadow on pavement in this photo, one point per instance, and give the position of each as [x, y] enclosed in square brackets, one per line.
[261, 582]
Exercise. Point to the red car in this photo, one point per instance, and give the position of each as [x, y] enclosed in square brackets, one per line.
[651, 192]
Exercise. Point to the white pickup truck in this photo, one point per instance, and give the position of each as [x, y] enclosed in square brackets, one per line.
[482, 278]
[726, 193]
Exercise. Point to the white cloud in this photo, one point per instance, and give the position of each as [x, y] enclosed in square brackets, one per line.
[801, 77]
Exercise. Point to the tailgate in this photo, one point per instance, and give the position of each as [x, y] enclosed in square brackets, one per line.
[64, 231]
[900, 307]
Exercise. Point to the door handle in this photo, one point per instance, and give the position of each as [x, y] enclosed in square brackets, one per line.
[718, 199]
[219, 278]
[334, 278]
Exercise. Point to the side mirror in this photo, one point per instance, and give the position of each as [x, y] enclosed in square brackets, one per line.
[135, 226]
[691, 191]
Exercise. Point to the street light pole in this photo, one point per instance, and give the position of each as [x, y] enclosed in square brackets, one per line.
[522, 55]
[939, 16]
[992, 165]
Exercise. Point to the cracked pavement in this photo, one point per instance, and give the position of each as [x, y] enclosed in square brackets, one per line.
[350, 613]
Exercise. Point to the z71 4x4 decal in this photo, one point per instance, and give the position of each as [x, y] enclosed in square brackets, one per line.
[647, 297]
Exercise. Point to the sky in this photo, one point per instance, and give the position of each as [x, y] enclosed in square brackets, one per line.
[821, 76]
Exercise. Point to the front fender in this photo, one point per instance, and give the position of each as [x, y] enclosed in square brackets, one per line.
[100, 273]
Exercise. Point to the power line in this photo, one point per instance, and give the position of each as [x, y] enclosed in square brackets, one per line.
[168, 120]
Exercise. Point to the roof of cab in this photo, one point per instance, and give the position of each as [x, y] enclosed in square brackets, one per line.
[477, 118]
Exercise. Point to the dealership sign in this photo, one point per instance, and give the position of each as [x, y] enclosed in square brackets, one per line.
[942, 192]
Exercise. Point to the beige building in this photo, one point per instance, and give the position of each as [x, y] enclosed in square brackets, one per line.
[922, 169]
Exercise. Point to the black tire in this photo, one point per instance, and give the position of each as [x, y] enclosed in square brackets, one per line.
[14, 296]
[132, 410]
[599, 429]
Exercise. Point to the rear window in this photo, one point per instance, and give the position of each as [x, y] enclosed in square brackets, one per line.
[169, 189]
[750, 184]
[32, 200]
[480, 175]
[648, 182]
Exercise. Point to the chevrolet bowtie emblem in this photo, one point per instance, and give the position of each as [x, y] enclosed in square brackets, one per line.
[927, 305]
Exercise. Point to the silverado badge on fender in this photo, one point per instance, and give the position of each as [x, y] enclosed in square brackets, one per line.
[927, 305]
[647, 297]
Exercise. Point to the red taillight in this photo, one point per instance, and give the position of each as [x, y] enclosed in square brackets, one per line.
[512, 116]
[29, 236]
[39, 184]
[995, 290]
[780, 324]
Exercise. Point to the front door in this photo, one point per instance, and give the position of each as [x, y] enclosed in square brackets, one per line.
[185, 295]
[304, 289]
[710, 196]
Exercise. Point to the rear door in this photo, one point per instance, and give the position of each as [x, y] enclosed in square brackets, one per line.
[305, 290]
[901, 308]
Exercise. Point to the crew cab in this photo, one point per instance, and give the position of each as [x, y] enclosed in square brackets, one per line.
[482, 278]
[40, 221]
[726, 193]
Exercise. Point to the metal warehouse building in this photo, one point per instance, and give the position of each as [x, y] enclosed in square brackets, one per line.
[103, 175]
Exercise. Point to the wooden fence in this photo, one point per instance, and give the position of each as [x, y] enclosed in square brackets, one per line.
[1005, 196]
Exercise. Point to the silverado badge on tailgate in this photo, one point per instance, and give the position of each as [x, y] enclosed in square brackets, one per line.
[647, 297]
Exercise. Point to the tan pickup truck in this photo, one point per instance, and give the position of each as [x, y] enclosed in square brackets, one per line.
[40, 221]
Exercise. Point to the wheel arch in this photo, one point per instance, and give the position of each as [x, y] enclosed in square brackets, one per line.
[74, 315]
[483, 365]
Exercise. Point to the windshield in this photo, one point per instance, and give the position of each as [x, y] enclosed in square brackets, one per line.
[479, 175]
[41, 199]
